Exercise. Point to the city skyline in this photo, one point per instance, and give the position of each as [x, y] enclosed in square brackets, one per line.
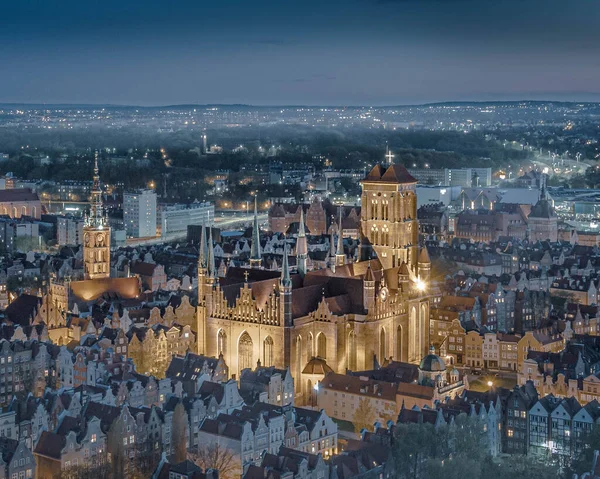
[361, 52]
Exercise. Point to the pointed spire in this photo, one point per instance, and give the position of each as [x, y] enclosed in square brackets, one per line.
[369, 274]
[340, 241]
[255, 255]
[332, 244]
[286, 280]
[212, 271]
[301, 246]
[424, 256]
[202, 263]
[340, 256]
[301, 231]
[96, 217]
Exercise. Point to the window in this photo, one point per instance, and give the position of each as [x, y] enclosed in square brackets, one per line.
[93, 438]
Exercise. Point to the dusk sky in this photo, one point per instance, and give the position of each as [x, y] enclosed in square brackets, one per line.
[309, 52]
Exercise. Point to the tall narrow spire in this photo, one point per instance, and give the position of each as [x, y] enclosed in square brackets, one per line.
[331, 258]
[212, 271]
[202, 263]
[340, 256]
[255, 255]
[301, 246]
[96, 217]
[286, 280]
[301, 230]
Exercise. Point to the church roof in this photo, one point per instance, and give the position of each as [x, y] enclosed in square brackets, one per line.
[92, 289]
[317, 366]
[542, 209]
[432, 363]
[392, 174]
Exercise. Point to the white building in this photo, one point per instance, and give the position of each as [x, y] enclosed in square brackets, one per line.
[139, 213]
[174, 219]
[69, 231]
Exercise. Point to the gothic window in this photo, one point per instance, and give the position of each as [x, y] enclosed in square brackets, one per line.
[321, 346]
[268, 351]
[309, 347]
[412, 335]
[299, 364]
[382, 346]
[245, 352]
[221, 342]
[23, 210]
[351, 352]
[399, 344]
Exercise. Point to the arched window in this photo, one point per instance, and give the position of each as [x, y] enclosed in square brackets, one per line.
[268, 351]
[382, 346]
[245, 352]
[351, 352]
[299, 365]
[398, 356]
[309, 347]
[23, 210]
[413, 334]
[321, 346]
[221, 342]
[33, 211]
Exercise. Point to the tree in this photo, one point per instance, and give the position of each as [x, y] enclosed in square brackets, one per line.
[520, 467]
[117, 456]
[583, 459]
[364, 416]
[214, 456]
[179, 433]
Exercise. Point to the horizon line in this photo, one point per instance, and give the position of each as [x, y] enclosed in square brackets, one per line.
[250, 105]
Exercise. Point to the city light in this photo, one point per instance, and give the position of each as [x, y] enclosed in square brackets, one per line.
[420, 284]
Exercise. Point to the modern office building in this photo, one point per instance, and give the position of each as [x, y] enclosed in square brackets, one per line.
[465, 177]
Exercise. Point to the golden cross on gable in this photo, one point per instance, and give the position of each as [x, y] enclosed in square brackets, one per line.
[246, 274]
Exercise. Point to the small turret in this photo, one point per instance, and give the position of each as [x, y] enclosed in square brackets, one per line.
[369, 289]
[424, 265]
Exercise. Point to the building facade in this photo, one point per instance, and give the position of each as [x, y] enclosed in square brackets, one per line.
[316, 320]
[139, 213]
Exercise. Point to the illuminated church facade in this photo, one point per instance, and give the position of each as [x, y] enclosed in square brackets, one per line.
[347, 316]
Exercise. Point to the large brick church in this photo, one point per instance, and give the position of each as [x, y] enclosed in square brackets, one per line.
[346, 316]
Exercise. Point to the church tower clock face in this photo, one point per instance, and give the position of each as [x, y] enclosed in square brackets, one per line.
[100, 239]
[383, 294]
